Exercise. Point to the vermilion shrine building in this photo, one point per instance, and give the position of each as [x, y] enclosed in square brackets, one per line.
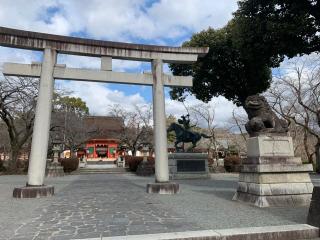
[102, 149]
[103, 144]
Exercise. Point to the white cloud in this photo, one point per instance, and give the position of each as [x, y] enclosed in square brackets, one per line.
[30, 15]
[307, 64]
[18, 55]
[176, 18]
[117, 20]
[123, 65]
[118, 65]
[122, 20]
[74, 61]
[98, 96]
[221, 106]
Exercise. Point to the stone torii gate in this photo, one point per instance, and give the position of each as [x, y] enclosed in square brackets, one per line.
[48, 70]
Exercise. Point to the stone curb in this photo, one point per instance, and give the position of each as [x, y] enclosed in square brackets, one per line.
[284, 232]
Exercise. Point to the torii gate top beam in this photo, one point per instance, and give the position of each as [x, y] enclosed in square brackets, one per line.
[88, 47]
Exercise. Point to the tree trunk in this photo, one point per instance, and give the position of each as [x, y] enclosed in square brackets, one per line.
[317, 150]
[133, 151]
[13, 161]
[306, 146]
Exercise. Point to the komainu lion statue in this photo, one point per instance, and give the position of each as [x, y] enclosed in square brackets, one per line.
[261, 118]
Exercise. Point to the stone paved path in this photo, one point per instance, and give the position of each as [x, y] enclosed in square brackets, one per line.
[90, 206]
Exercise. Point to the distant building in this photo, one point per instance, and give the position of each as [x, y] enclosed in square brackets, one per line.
[105, 133]
[227, 143]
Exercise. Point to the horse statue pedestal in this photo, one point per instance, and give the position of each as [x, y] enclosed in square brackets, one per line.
[186, 165]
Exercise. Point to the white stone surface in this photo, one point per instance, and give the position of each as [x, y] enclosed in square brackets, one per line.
[204, 234]
[281, 180]
[275, 188]
[82, 164]
[274, 177]
[159, 123]
[180, 176]
[265, 168]
[269, 229]
[106, 63]
[100, 166]
[271, 160]
[297, 231]
[269, 146]
[79, 74]
[288, 200]
[40, 137]
[89, 47]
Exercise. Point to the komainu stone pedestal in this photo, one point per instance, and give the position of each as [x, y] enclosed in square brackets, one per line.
[272, 176]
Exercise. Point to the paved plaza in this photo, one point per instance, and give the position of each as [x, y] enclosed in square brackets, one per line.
[88, 206]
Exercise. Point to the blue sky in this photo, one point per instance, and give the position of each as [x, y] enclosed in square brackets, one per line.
[161, 22]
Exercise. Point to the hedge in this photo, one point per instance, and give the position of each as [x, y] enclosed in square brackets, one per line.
[132, 162]
[232, 163]
[69, 164]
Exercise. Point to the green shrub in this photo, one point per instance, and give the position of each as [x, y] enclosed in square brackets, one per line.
[132, 162]
[232, 163]
[211, 161]
[23, 165]
[2, 167]
[69, 164]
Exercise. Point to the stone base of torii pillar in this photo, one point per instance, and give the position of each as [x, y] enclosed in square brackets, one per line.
[163, 188]
[33, 191]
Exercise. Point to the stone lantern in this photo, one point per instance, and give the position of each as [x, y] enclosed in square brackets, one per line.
[56, 149]
[145, 168]
[54, 168]
[145, 152]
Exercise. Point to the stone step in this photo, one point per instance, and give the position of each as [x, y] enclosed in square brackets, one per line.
[100, 162]
[290, 232]
[101, 171]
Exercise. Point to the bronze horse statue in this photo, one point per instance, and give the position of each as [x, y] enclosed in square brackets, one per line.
[185, 136]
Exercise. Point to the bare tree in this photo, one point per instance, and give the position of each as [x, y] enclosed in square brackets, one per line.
[4, 141]
[70, 129]
[138, 125]
[204, 114]
[236, 127]
[68, 121]
[295, 95]
[239, 122]
[17, 104]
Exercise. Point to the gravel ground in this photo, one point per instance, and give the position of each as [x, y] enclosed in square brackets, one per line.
[88, 206]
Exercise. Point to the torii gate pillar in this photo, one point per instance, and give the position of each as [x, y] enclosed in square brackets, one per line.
[159, 121]
[40, 136]
[162, 184]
